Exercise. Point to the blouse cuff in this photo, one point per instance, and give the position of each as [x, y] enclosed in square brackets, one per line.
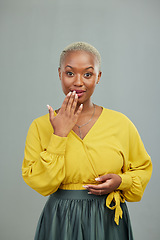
[57, 145]
[126, 182]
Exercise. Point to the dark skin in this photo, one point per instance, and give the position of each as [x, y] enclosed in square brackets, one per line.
[79, 74]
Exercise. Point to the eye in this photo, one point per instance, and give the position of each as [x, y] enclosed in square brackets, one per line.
[88, 74]
[70, 74]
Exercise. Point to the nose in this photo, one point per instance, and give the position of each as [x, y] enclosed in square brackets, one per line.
[78, 81]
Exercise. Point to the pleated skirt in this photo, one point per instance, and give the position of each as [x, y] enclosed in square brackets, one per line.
[77, 215]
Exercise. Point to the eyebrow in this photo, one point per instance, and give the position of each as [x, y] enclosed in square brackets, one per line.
[85, 68]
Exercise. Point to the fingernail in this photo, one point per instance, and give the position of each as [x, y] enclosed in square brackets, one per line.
[73, 92]
[97, 179]
[89, 193]
[48, 107]
[85, 186]
[81, 105]
[69, 94]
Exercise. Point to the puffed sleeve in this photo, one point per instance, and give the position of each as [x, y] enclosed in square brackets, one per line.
[43, 170]
[137, 168]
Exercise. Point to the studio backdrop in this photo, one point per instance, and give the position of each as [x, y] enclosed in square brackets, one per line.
[32, 35]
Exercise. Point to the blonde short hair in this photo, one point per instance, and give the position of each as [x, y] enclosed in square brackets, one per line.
[80, 46]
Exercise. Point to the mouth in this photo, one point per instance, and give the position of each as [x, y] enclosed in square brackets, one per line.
[79, 93]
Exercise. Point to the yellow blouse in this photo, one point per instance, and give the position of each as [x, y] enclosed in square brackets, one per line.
[112, 145]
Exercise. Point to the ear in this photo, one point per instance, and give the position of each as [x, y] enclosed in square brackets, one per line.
[99, 76]
[59, 72]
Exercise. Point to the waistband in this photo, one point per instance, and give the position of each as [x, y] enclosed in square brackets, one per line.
[76, 194]
[115, 197]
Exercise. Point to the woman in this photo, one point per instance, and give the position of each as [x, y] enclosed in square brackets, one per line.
[87, 158]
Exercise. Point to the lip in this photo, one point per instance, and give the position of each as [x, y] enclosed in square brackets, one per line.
[79, 92]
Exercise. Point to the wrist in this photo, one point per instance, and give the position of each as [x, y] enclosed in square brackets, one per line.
[119, 181]
[60, 134]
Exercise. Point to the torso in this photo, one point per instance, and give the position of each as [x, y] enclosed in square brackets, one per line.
[84, 118]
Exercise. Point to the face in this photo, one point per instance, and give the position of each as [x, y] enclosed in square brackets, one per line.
[80, 72]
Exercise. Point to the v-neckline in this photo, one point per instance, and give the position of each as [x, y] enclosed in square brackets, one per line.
[90, 130]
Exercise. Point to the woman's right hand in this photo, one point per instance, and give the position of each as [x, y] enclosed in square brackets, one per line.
[67, 116]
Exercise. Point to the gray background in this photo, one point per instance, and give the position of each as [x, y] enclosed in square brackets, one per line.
[32, 35]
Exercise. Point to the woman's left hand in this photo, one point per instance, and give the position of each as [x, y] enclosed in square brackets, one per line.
[108, 183]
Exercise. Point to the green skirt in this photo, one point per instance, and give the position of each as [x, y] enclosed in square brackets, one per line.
[77, 215]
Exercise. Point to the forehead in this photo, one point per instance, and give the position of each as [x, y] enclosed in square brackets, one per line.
[80, 58]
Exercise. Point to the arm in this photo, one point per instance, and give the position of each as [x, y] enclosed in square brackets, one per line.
[136, 172]
[43, 170]
[137, 168]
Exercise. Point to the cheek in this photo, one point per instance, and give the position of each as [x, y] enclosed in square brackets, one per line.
[91, 84]
[65, 85]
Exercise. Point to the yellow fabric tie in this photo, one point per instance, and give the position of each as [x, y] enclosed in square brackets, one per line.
[117, 197]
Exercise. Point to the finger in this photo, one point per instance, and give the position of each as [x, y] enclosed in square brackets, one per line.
[70, 101]
[51, 111]
[98, 192]
[96, 187]
[74, 103]
[65, 102]
[103, 178]
[79, 110]
[48, 107]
